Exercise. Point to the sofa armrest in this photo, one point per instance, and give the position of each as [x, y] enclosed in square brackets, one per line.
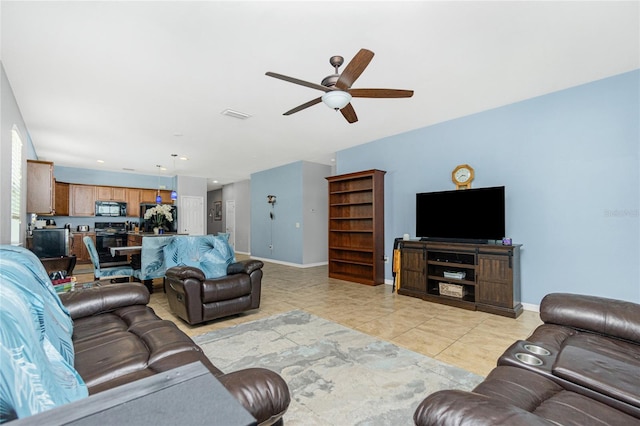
[615, 318]
[456, 407]
[262, 392]
[246, 266]
[96, 300]
[181, 273]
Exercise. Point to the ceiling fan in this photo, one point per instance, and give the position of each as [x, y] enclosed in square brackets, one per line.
[337, 87]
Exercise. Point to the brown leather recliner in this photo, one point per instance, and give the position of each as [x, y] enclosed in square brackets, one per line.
[197, 299]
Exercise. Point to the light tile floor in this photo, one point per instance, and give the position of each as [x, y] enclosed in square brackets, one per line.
[467, 339]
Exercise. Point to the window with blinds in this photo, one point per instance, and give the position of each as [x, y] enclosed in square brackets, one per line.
[16, 185]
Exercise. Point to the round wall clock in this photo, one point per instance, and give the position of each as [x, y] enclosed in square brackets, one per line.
[462, 176]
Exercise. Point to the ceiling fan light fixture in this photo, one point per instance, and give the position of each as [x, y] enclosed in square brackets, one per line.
[336, 99]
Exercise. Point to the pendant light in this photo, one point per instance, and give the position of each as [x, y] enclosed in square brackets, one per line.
[158, 196]
[174, 194]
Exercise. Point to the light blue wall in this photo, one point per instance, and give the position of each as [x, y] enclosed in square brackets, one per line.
[286, 184]
[100, 177]
[569, 161]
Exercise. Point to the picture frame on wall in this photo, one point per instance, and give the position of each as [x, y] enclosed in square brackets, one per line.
[217, 210]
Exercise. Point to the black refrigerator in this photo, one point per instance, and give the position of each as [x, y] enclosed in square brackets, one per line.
[50, 242]
[147, 226]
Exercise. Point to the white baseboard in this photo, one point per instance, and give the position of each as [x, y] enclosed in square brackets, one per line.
[295, 265]
[531, 307]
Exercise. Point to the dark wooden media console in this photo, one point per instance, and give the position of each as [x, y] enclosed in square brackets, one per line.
[483, 277]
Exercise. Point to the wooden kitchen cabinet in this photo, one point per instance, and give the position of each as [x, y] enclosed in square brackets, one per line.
[77, 247]
[83, 200]
[132, 197]
[148, 196]
[110, 193]
[40, 187]
[62, 199]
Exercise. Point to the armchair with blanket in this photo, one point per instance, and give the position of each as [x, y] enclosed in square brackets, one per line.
[205, 282]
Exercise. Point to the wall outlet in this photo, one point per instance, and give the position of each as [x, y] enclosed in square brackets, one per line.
[386, 259]
[270, 246]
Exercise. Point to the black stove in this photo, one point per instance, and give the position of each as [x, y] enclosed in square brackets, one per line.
[110, 234]
[111, 228]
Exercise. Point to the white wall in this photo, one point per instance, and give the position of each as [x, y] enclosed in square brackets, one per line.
[10, 117]
[240, 192]
[315, 212]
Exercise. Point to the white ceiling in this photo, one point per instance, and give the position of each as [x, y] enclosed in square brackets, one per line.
[131, 83]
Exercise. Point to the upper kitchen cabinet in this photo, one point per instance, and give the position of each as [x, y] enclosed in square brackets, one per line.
[133, 201]
[62, 199]
[110, 193]
[40, 187]
[148, 196]
[83, 200]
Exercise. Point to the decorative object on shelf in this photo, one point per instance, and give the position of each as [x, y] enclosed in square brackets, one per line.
[462, 176]
[217, 210]
[158, 216]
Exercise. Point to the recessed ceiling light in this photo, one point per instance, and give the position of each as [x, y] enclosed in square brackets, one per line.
[184, 158]
[235, 114]
[163, 168]
[215, 181]
[100, 161]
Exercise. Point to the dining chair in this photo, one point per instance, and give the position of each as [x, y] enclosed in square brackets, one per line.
[105, 273]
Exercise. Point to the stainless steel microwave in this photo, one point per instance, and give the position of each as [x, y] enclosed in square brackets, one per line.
[111, 208]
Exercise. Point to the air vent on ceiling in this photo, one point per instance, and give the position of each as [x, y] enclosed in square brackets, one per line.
[235, 114]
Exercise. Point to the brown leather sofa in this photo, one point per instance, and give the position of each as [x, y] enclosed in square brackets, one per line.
[119, 339]
[197, 299]
[581, 367]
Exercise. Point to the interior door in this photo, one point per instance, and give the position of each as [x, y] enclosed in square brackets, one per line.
[191, 215]
[230, 222]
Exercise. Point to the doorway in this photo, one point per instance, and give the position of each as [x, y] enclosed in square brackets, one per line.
[191, 219]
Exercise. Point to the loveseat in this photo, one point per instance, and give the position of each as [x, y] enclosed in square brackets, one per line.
[56, 349]
[581, 367]
[205, 282]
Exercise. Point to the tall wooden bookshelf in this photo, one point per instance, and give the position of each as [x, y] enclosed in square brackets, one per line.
[356, 227]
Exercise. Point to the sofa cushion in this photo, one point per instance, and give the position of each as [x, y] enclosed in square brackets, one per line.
[603, 364]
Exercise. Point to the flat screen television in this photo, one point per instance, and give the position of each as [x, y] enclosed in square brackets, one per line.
[474, 215]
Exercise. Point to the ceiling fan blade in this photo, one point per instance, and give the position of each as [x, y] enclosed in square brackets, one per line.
[353, 70]
[298, 81]
[349, 113]
[303, 106]
[381, 93]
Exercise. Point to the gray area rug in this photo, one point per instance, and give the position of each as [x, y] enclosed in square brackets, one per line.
[336, 375]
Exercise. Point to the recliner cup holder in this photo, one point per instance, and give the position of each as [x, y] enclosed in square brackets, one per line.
[528, 359]
[538, 350]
